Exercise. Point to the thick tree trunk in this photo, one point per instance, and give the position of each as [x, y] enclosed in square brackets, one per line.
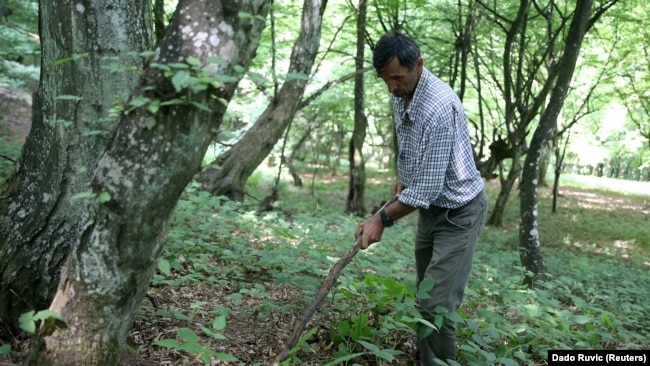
[355, 203]
[227, 176]
[39, 218]
[529, 243]
[135, 165]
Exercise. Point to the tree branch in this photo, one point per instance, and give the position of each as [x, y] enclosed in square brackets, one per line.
[331, 84]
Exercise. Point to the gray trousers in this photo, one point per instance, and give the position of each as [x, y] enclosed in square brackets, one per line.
[444, 248]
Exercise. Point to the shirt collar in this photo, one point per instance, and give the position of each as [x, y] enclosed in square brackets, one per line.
[412, 113]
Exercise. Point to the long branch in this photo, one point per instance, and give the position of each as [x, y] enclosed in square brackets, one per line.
[330, 84]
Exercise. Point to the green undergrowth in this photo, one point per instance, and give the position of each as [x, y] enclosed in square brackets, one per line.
[9, 154]
[592, 299]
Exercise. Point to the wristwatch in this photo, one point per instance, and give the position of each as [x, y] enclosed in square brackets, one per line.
[386, 221]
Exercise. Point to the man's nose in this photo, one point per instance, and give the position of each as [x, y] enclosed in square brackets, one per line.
[391, 87]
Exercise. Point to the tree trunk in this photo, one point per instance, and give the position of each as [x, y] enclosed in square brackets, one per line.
[3, 5]
[496, 217]
[355, 202]
[529, 243]
[227, 176]
[133, 179]
[559, 163]
[545, 163]
[39, 218]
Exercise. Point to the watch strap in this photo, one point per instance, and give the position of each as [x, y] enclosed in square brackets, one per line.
[386, 221]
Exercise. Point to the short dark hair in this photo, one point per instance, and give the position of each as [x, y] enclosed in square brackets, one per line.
[395, 44]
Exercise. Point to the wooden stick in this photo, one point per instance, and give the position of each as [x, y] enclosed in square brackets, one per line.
[324, 289]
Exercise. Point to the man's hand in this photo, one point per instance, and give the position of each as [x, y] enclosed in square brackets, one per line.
[371, 230]
[396, 189]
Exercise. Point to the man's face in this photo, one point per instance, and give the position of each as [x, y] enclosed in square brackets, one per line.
[400, 80]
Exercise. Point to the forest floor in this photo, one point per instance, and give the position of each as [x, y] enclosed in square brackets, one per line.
[15, 115]
[252, 339]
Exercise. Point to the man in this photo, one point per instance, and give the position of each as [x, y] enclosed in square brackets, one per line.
[438, 177]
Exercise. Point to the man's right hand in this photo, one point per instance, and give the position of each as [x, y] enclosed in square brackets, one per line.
[396, 189]
[371, 230]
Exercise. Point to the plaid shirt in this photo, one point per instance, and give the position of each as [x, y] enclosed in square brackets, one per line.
[436, 163]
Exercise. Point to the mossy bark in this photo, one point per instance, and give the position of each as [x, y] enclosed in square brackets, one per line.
[39, 218]
[138, 162]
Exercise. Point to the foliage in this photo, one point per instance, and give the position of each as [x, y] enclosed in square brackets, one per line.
[19, 51]
[189, 341]
[28, 321]
[593, 299]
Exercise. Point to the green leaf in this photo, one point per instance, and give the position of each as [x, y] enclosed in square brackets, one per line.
[5, 349]
[342, 359]
[582, 319]
[201, 106]
[181, 80]
[388, 354]
[147, 54]
[285, 233]
[296, 76]
[193, 61]
[219, 323]
[154, 106]
[424, 289]
[454, 317]
[187, 335]
[65, 123]
[172, 102]
[45, 314]
[69, 97]
[50, 322]
[104, 197]
[192, 347]
[426, 322]
[149, 123]
[82, 195]
[178, 65]
[607, 320]
[139, 101]
[369, 346]
[343, 328]
[168, 343]
[223, 78]
[27, 323]
[160, 66]
[206, 356]
[225, 357]
[223, 101]
[217, 60]
[68, 59]
[199, 85]
[212, 333]
[164, 267]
